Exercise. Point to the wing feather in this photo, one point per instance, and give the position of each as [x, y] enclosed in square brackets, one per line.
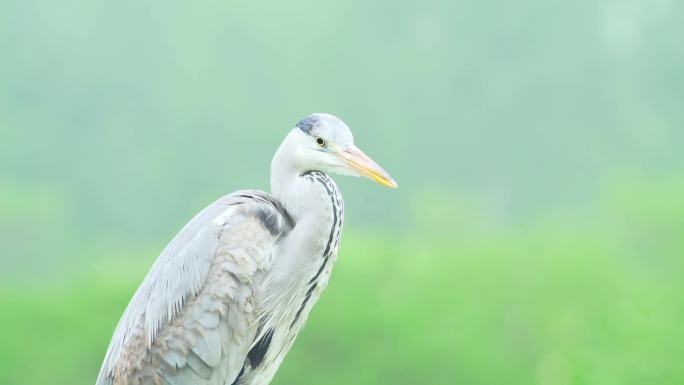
[192, 319]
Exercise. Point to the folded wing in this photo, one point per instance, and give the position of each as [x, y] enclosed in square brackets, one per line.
[193, 318]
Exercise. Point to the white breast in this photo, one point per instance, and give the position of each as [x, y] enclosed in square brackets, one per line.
[315, 241]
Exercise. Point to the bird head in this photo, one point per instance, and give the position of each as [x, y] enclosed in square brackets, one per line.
[323, 142]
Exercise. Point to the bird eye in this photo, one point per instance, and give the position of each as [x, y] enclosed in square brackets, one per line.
[320, 141]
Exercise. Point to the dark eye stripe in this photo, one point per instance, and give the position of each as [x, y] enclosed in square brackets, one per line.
[308, 123]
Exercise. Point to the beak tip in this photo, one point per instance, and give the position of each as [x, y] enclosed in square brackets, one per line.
[391, 183]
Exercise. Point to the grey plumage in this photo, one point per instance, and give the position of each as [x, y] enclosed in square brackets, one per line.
[194, 344]
[225, 300]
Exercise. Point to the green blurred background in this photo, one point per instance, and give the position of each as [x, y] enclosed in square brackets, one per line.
[537, 236]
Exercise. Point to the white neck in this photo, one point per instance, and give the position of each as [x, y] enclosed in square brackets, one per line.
[283, 171]
[309, 203]
[286, 183]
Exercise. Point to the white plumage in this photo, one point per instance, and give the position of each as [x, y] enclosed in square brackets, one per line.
[225, 300]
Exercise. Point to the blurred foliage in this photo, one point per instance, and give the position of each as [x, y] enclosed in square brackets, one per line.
[536, 236]
[566, 300]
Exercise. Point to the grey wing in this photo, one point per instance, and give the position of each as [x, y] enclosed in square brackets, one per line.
[192, 320]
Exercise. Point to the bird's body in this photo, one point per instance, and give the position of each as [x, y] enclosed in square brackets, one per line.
[227, 297]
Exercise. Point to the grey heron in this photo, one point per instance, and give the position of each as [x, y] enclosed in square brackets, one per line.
[225, 300]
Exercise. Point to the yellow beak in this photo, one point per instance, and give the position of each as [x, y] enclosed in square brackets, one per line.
[363, 165]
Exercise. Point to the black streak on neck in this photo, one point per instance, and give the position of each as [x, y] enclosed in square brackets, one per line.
[325, 181]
